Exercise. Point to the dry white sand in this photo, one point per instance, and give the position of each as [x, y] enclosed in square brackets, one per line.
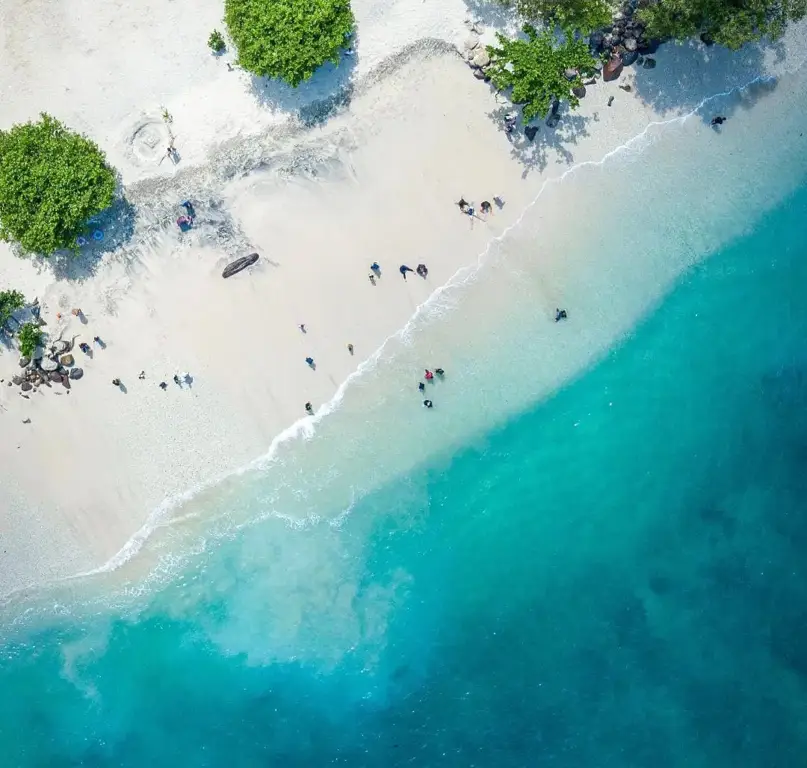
[93, 465]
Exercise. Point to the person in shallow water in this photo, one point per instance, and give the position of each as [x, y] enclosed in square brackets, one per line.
[403, 269]
[440, 372]
[428, 375]
[421, 387]
[309, 409]
[428, 403]
[717, 120]
[560, 314]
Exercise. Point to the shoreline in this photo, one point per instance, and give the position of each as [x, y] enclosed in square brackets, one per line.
[88, 526]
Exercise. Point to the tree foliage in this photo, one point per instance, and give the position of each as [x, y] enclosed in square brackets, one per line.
[732, 23]
[30, 337]
[581, 15]
[216, 41]
[10, 301]
[288, 39]
[51, 182]
[536, 69]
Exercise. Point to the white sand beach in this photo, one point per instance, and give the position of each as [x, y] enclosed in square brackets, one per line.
[378, 181]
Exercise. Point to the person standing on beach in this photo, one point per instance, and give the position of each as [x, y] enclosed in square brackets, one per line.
[350, 348]
[302, 328]
[463, 204]
[403, 269]
[485, 207]
[309, 409]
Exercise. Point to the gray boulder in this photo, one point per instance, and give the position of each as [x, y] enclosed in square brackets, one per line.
[59, 347]
[49, 365]
[649, 63]
[471, 43]
[530, 131]
[25, 361]
[580, 91]
[26, 386]
[630, 43]
[76, 373]
[481, 58]
[39, 352]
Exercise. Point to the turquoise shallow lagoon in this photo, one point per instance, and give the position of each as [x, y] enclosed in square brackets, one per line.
[613, 576]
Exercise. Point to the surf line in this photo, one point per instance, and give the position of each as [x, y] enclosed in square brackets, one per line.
[305, 427]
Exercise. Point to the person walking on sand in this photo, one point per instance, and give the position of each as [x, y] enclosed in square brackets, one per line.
[423, 271]
[309, 409]
[463, 204]
[141, 375]
[116, 382]
[372, 279]
[403, 269]
[485, 207]
[350, 348]
[560, 314]
[302, 328]
[310, 362]
[177, 381]
[375, 269]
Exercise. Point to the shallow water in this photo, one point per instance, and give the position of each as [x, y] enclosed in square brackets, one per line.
[604, 573]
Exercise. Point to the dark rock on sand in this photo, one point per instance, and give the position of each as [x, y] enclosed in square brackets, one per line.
[25, 361]
[530, 131]
[26, 386]
[649, 63]
[580, 91]
[55, 376]
[596, 42]
[16, 380]
[629, 57]
[76, 373]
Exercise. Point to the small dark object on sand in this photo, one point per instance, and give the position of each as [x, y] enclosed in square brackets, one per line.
[422, 270]
[116, 382]
[350, 348]
[141, 375]
[163, 386]
[626, 88]
[310, 362]
[236, 266]
[610, 100]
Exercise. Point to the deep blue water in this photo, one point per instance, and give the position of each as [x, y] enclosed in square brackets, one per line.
[614, 578]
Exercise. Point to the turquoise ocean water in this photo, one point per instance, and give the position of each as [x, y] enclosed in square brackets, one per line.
[611, 575]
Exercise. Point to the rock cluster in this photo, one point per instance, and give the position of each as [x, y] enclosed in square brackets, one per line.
[475, 52]
[45, 367]
[624, 36]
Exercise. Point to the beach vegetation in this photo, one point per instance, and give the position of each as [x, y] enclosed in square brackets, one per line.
[731, 23]
[30, 337]
[216, 41]
[52, 181]
[583, 16]
[538, 68]
[288, 39]
[10, 302]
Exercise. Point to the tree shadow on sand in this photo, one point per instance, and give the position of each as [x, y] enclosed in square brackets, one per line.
[314, 100]
[117, 225]
[548, 142]
[691, 76]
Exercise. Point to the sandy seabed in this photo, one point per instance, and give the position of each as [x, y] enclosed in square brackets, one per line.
[320, 197]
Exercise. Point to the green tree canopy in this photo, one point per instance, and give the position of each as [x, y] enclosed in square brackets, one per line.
[288, 39]
[536, 69]
[51, 182]
[732, 23]
[10, 301]
[581, 15]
